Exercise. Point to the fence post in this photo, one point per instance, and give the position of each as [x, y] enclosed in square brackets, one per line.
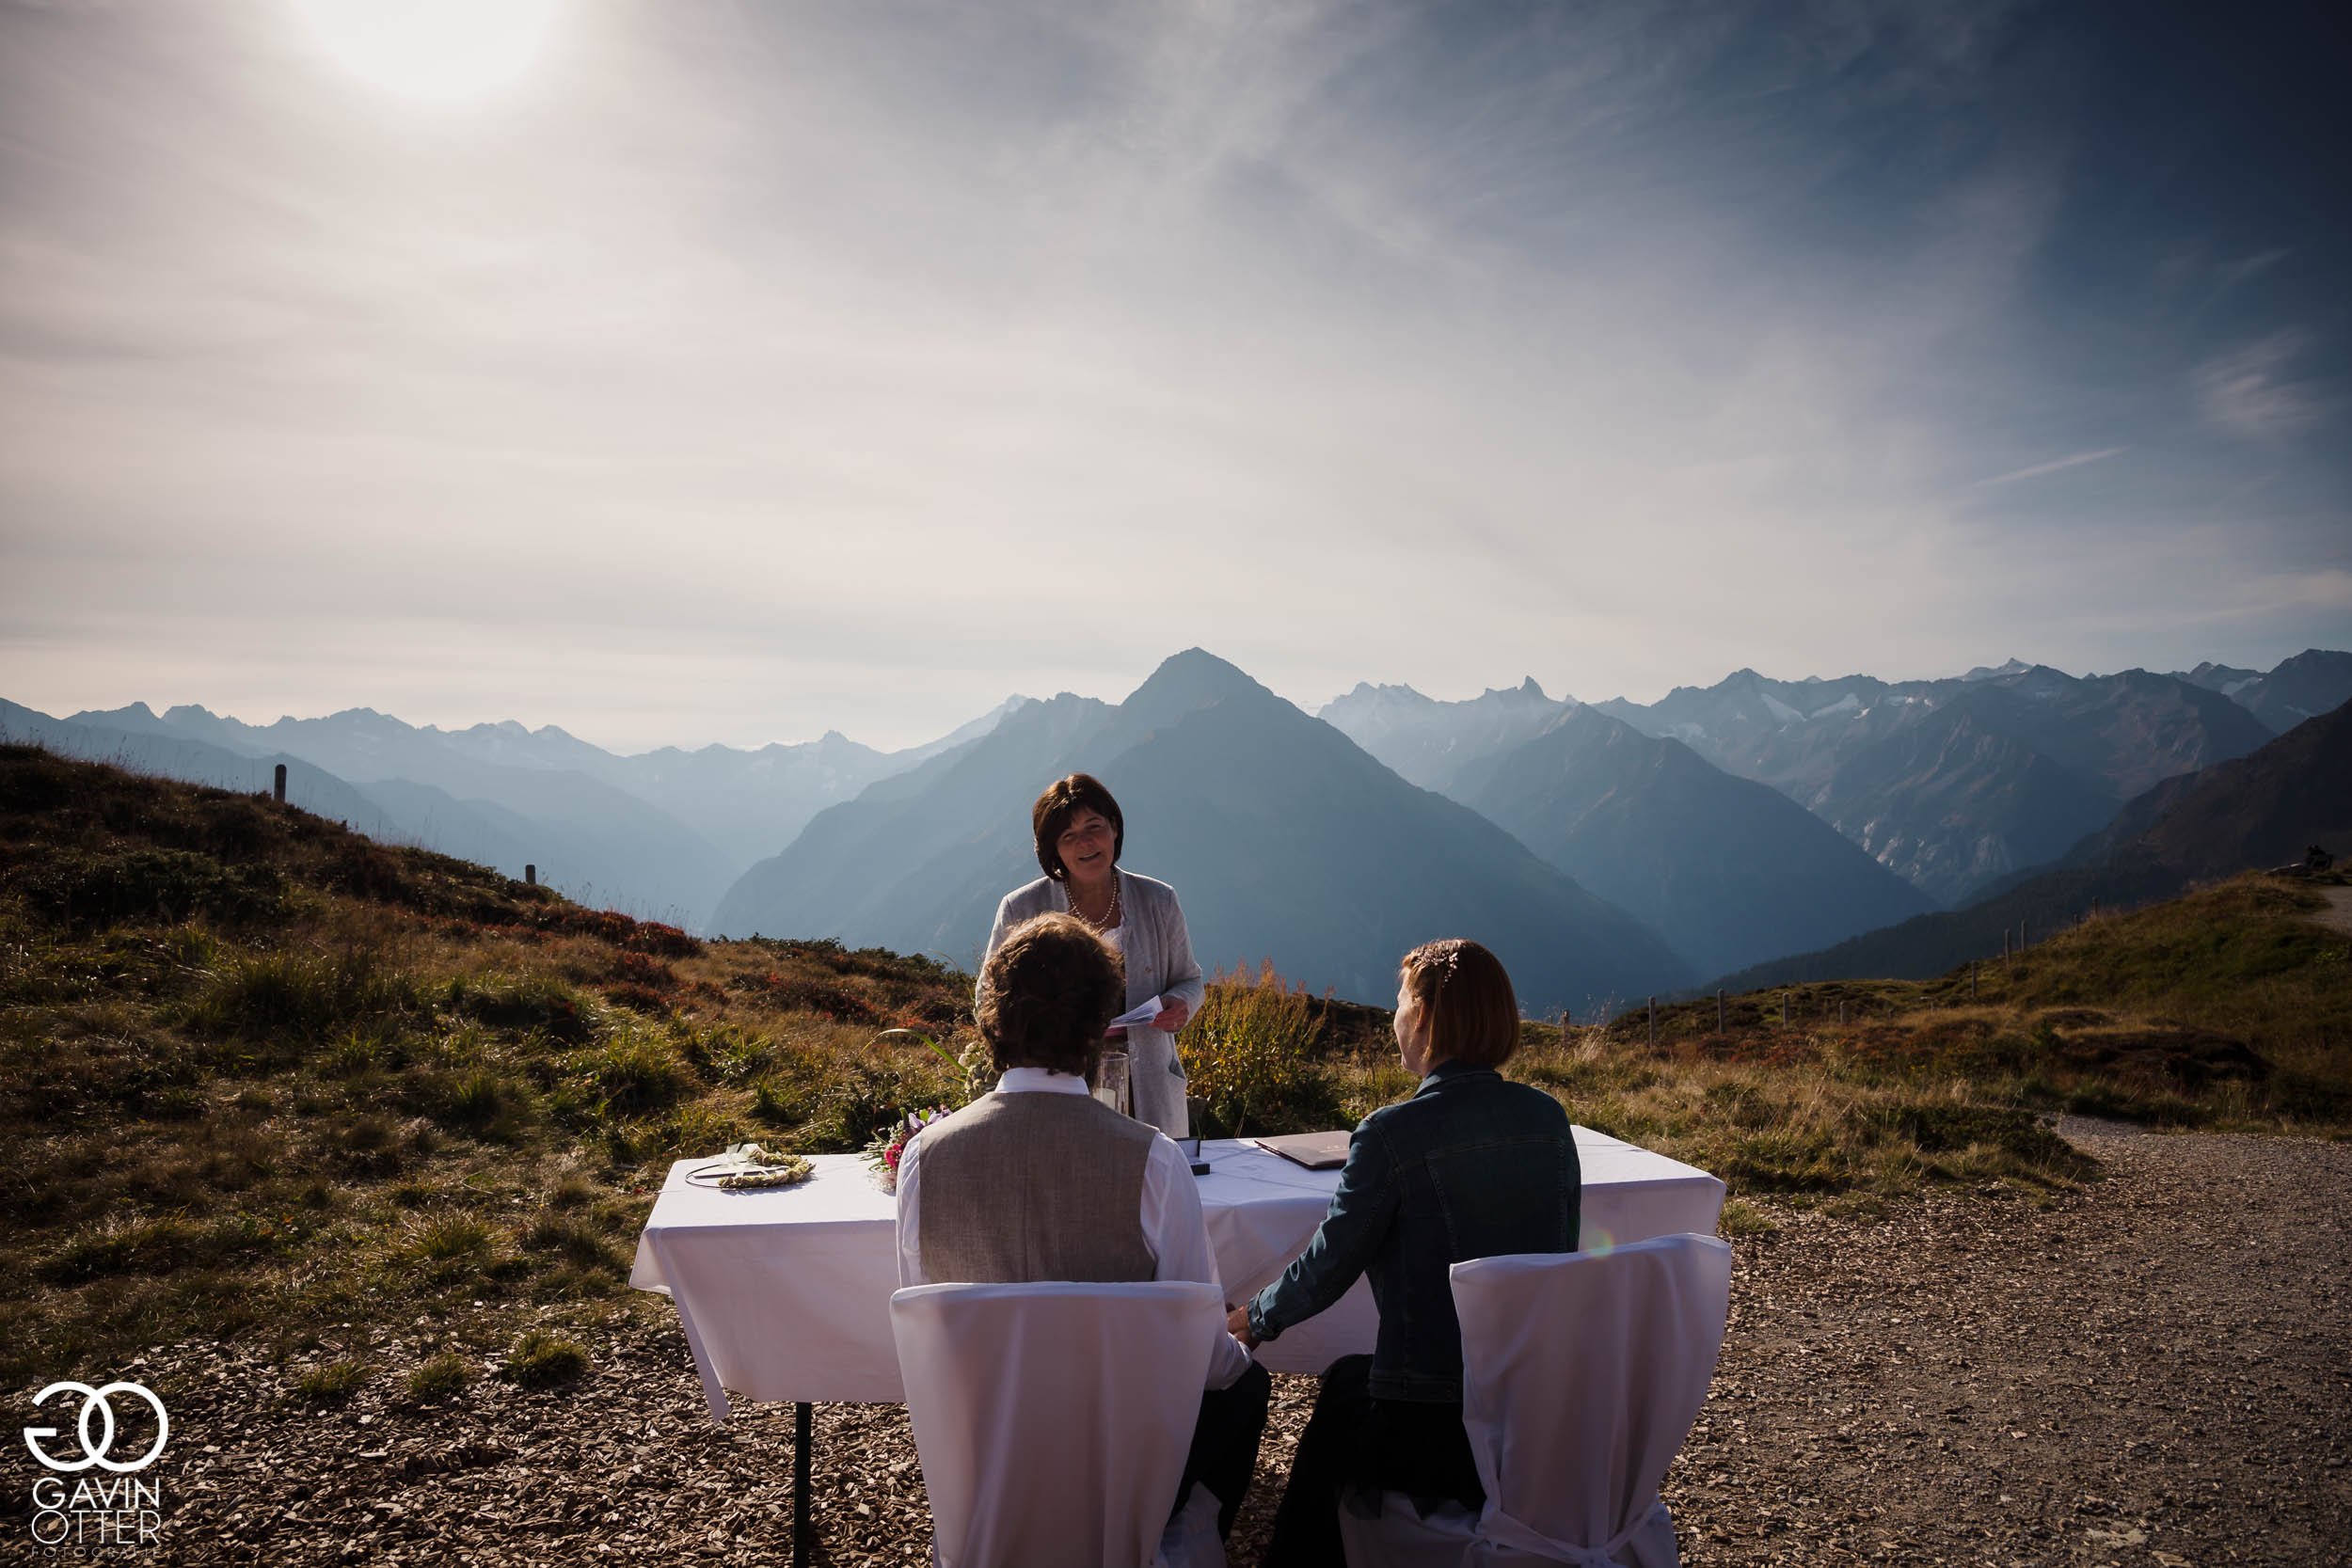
[1784, 1007]
[2021, 936]
[1653, 1023]
[1719, 1012]
[1841, 1012]
[530, 875]
[279, 787]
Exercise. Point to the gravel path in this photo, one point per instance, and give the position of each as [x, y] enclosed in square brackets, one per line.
[2150, 1371]
[2338, 914]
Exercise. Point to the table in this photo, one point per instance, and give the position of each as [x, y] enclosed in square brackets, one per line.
[783, 1294]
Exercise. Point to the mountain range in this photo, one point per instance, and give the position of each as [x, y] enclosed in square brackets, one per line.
[1956, 783]
[1615, 847]
[2259, 810]
[1282, 837]
[1730, 870]
[662, 834]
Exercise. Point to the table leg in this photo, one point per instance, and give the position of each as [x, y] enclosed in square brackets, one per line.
[802, 1434]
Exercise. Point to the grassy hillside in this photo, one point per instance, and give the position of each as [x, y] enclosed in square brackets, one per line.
[260, 1077]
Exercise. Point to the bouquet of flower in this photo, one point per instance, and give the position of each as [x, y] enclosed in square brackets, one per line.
[890, 1146]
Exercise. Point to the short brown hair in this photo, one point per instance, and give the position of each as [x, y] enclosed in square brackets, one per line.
[1466, 996]
[1063, 800]
[1048, 992]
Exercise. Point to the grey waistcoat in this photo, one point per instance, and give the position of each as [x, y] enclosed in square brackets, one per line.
[1034, 1186]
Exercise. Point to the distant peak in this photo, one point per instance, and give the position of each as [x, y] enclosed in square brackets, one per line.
[1198, 671]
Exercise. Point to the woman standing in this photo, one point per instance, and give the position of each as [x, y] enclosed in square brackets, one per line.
[1079, 835]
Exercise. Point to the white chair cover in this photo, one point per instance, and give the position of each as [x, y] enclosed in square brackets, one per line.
[1581, 1376]
[1053, 1420]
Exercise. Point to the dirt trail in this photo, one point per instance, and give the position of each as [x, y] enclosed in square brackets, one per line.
[2338, 914]
[2150, 1371]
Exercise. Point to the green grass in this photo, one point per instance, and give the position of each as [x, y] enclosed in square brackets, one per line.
[331, 1384]
[541, 1359]
[440, 1378]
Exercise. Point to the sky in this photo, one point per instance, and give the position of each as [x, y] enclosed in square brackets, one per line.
[702, 371]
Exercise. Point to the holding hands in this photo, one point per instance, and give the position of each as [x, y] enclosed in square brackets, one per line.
[1237, 1324]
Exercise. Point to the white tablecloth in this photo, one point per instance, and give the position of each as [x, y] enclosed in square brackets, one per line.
[784, 1293]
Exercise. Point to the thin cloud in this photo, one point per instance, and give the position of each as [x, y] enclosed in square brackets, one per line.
[2054, 466]
[2249, 395]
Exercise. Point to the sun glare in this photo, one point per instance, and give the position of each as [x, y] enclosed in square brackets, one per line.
[432, 51]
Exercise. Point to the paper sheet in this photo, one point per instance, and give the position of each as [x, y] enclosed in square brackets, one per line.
[1144, 1014]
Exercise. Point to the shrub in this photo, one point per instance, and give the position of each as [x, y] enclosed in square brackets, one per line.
[534, 1002]
[780, 1105]
[330, 1385]
[577, 1240]
[450, 1237]
[370, 1145]
[119, 1248]
[541, 1359]
[478, 1101]
[279, 998]
[1249, 1056]
[439, 1377]
[635, 1072]
[152, 886]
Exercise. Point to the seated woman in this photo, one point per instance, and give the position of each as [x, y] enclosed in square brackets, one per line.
[1470, 1166]
[1037, 1180]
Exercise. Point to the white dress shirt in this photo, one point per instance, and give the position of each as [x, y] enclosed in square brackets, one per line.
[1171, 1214]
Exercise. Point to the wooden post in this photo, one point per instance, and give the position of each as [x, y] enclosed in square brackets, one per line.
[280, 788]
[2021, 936]
[1653, 1023]
[1841, 1012]
[803, 1438]
[1784, 1007]
[1719, 1012]
[530, 875]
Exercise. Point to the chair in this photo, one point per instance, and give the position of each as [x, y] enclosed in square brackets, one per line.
[1582, 1375]
[1052, 1420]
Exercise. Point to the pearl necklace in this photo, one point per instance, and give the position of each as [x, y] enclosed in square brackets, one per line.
[1109, 920]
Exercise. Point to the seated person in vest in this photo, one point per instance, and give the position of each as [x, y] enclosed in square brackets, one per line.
[1470, 1166]
[1041, 1181]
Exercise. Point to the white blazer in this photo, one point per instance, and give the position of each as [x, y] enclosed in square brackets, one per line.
[1160, 963]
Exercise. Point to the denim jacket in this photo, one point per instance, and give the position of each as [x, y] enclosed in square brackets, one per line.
[1472, 1165]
